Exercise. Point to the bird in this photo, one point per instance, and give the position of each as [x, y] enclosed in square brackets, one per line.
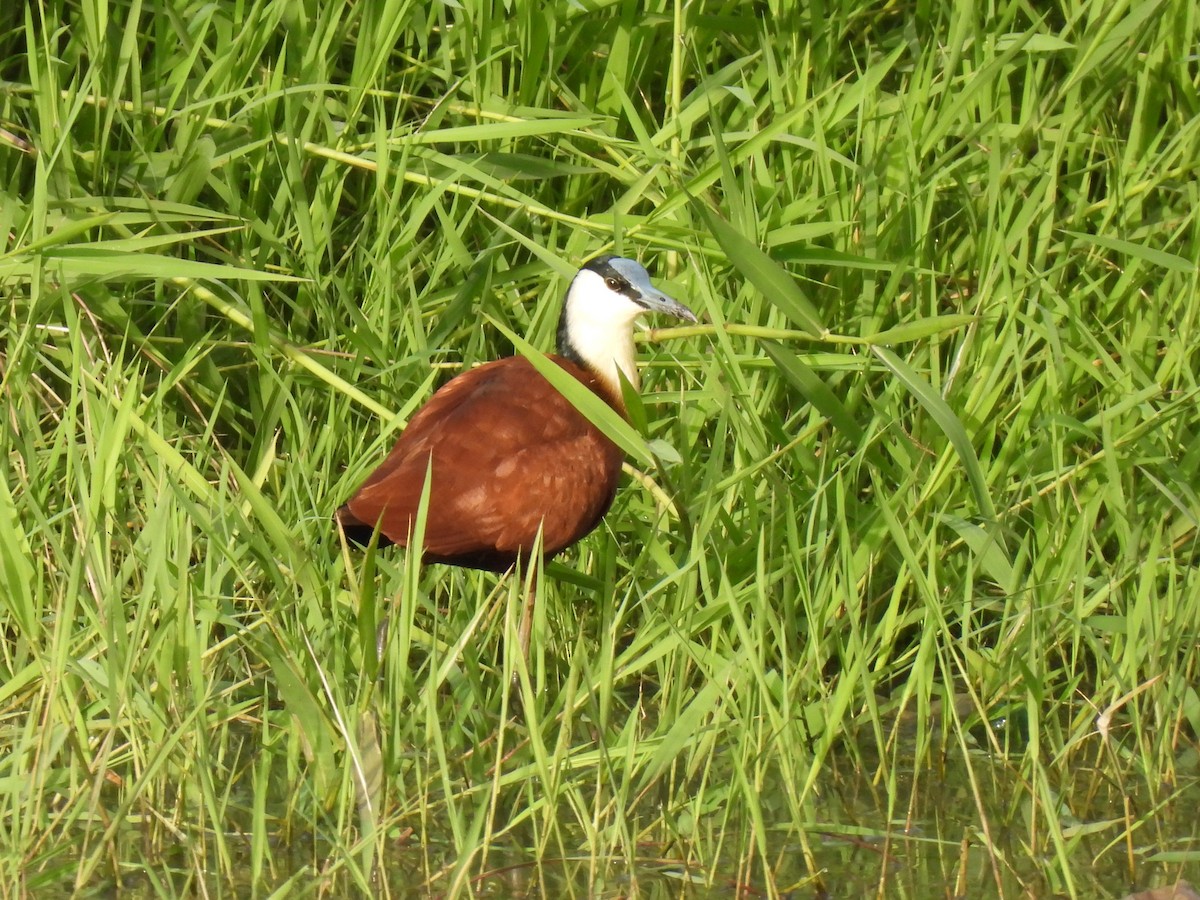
[509, 458]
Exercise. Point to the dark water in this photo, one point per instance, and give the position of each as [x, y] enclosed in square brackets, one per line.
[974, 825]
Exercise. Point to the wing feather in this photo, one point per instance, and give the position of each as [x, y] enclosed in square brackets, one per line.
[507, 454]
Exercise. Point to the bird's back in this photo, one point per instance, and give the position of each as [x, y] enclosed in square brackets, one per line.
[507, 454]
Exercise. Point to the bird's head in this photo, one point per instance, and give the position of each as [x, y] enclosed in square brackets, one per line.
[596, 326]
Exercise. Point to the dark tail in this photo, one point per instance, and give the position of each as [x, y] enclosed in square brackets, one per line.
[356, 530]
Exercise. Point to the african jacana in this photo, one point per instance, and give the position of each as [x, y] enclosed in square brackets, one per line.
[507, 453]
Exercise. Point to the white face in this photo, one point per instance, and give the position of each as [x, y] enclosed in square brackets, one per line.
[600, 325]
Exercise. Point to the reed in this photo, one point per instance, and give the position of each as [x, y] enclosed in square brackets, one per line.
[907, 604]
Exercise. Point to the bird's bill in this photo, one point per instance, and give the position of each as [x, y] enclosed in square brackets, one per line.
[655, 300]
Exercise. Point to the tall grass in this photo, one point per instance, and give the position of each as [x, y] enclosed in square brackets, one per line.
[908, 604]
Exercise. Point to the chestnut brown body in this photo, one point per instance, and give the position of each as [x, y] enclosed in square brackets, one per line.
[507, 455]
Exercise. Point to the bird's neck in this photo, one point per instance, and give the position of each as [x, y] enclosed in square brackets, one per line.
[602, 346]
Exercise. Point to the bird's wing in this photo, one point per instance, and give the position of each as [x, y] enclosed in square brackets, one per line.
[508, 453]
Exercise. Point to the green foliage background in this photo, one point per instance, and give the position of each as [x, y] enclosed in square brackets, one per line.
[908, 605]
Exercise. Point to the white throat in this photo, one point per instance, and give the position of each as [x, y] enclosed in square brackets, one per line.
[600, 328]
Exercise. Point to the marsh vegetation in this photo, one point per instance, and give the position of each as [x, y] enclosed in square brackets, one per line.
[901, 601]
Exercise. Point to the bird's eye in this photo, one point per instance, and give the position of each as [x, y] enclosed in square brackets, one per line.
[612, 283]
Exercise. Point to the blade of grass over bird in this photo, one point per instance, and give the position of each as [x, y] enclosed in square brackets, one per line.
[589, 405]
